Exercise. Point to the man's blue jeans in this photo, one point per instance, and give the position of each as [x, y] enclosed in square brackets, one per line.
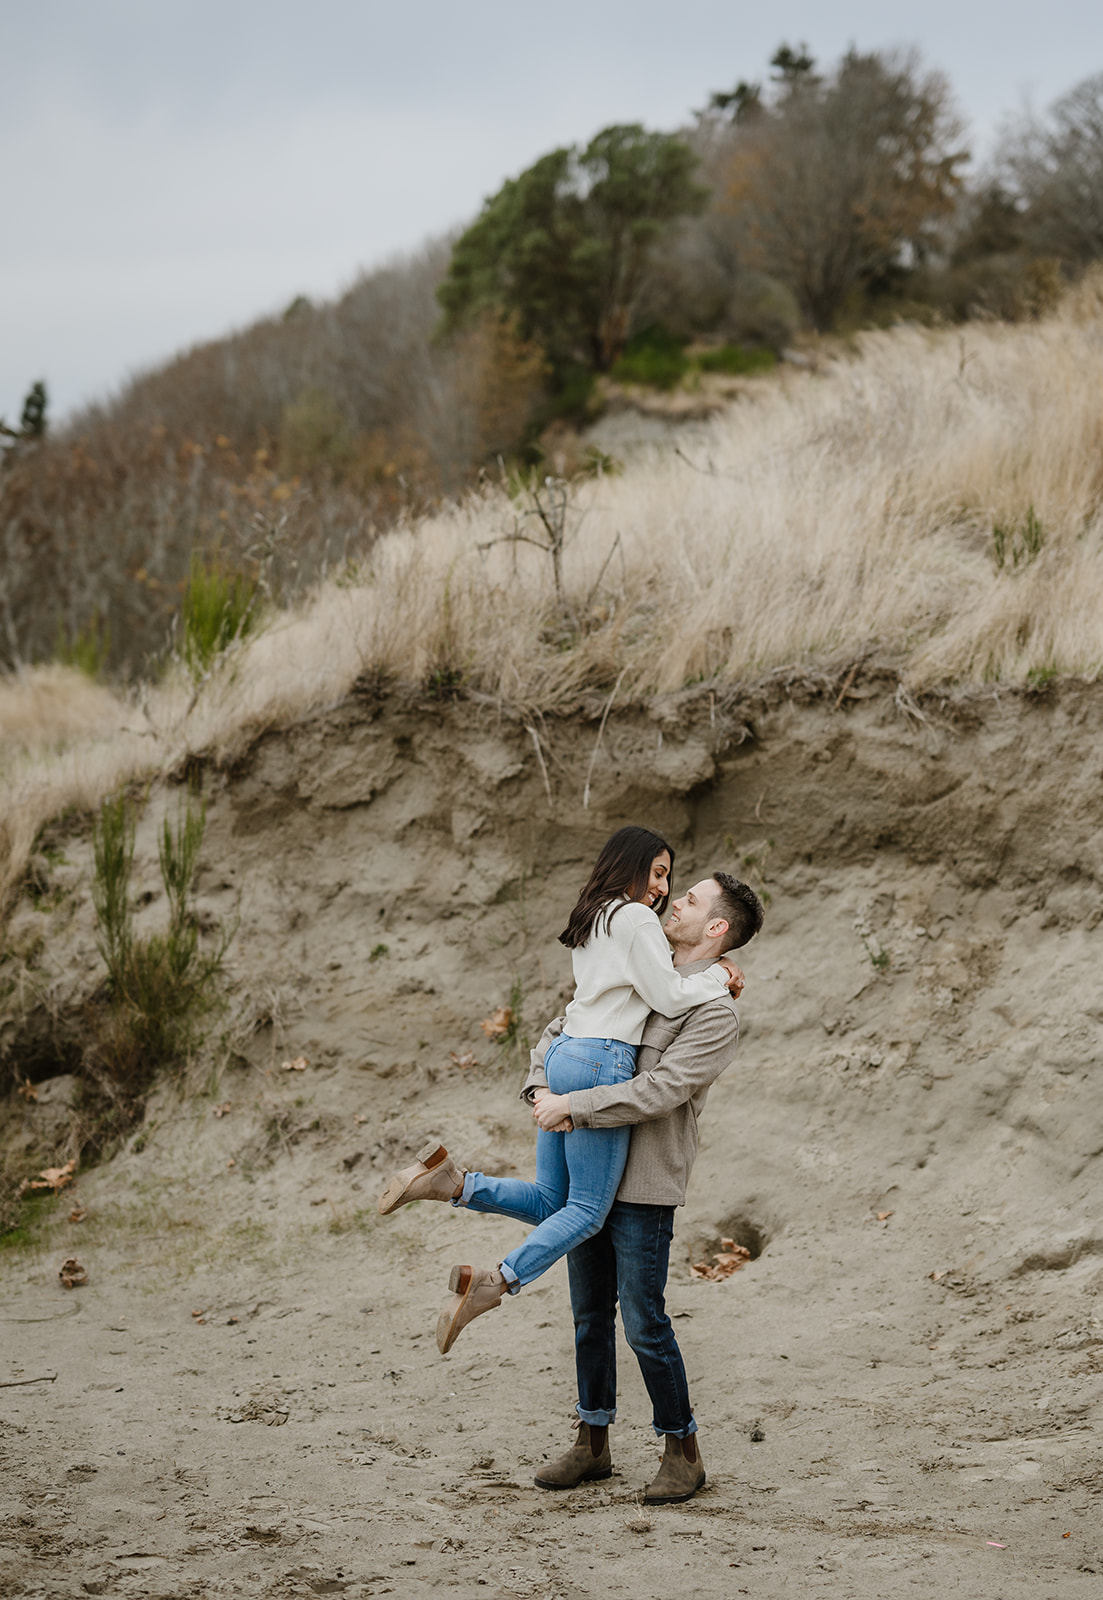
[628, 1258]
[577, 1174]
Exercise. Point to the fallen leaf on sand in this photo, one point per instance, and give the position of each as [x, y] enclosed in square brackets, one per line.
[359, 1120]
[27, 1090]
[224, 1109]
[72, 1273]
[467, 1059]
[499, 1023]
[299, 1064]
[54, 1178]
[883, 1216]
[728, 1259]
[77, 1214]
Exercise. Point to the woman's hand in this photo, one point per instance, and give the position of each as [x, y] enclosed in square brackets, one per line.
[736, 979]
[552, 1112]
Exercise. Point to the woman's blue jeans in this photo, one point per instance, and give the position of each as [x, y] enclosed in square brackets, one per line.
[577, 1174]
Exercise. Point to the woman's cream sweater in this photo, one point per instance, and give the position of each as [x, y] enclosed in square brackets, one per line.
[624, 971]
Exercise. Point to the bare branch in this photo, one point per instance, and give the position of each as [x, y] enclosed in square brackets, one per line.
[600, 734]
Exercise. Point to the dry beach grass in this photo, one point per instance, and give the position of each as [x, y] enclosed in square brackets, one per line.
[935, 502]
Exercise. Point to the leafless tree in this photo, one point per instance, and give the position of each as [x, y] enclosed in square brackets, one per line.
[839, 179]
[1054, 167]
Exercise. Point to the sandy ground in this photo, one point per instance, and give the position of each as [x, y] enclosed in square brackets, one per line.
[246, 1397]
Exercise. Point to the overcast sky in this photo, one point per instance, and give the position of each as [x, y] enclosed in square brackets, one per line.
[176, 169]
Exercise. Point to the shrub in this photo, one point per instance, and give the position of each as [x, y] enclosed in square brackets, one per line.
[737, 361]
[654, 357]
[113, 855]
[178, 854]
[314, 434]
[1010, 287]
[157, 987]
[86, 648]
[573, 397]
[1017, 544]
[219, 608]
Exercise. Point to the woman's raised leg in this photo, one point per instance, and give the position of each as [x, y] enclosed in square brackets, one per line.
[513, 1197]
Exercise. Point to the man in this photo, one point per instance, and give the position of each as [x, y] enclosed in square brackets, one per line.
[628, 1259]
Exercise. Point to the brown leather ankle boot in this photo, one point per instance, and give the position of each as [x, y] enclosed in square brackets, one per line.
[433, 1176]
[580, 1463]
[474, 1290]
[679, 1477]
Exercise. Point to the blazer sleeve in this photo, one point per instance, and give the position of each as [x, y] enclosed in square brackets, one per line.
[536, 1078]
[704, 1047]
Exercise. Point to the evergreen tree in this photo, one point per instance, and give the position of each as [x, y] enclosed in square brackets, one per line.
[566, 246]
[32, 424]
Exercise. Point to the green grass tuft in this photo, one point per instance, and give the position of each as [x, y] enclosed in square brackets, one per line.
[158, 987]
[87, 649]
[219, 608]
[737, 361]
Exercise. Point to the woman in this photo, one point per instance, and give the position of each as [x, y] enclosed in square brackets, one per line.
[623, 971]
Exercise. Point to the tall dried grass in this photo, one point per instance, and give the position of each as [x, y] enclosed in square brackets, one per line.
[852, 512]
[831, 515]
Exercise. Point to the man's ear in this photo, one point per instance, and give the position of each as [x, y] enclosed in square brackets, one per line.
[716, 929]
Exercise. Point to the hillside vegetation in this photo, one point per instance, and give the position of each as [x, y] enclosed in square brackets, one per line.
[934, 504]
[823, 199]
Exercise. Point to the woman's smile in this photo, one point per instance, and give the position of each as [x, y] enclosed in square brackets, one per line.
[658, 885]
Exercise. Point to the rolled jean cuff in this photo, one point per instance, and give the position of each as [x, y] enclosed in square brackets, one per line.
[468, 1187]
[513, 1282]
[597, 1419]
[678, 1433]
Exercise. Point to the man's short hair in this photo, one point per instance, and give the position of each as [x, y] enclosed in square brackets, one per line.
[740, 908]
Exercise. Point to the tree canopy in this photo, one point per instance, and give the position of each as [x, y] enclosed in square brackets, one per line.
[565, 246]
[842, 177]
[1054, 168]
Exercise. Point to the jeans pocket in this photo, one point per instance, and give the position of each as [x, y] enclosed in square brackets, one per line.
[619, 1068]
[570, 1065]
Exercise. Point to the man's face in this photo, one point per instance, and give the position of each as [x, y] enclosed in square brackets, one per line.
[691, 917]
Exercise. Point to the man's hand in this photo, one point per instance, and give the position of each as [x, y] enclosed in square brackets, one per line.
[737, 979]
[552, 1112]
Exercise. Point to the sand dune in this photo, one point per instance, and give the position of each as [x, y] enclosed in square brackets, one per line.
[247, 1396]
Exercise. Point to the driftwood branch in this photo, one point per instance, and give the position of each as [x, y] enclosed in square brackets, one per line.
[513, 538]
[601, 574]
[600, 733]
[17, 1383]
[535, 737]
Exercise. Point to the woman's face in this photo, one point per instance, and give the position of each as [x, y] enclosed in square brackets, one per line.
[658, 886]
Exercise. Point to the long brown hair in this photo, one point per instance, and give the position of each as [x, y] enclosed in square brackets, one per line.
[621, 872]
